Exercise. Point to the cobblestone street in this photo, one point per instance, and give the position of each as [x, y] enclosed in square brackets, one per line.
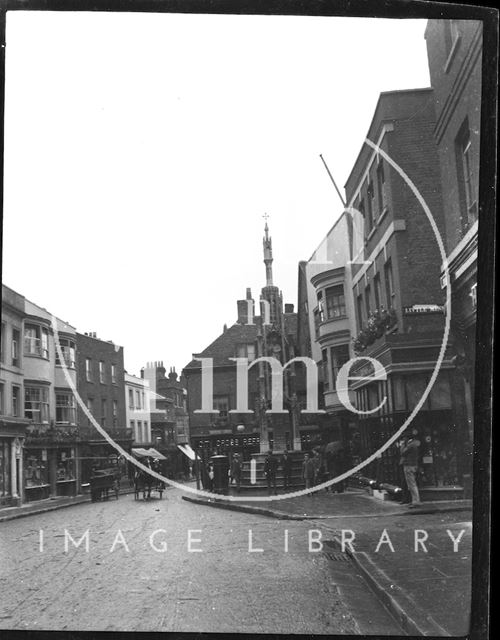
[223, 588]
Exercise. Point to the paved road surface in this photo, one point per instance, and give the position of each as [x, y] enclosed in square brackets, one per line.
[223, 588]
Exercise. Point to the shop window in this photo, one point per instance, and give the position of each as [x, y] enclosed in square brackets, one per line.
[36, 340]
[65, 408]
[68, 353]
[36, 404]
[16, 337]
[335, 301]
[5, 468]
[65, 465]
[36, 471]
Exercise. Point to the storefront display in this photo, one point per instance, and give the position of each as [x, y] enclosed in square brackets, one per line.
[36, 474]
[5, 479]
[65, 472]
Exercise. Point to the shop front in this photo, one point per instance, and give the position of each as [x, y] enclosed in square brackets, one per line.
[49, 471]
[437, 428]
[227, 444]
[11, 462]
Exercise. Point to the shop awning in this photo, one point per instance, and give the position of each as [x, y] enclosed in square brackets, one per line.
[148, 453]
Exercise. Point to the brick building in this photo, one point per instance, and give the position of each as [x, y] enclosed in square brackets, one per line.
[397, 292]
[101, 386]
[454, 50]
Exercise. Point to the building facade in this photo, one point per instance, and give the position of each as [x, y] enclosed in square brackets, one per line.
[13, 424]
[455, 54]
[138, 415]
[325, 314]
[101, 386]
[397, 294]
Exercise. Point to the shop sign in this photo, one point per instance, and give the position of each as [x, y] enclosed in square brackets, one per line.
[423, 308]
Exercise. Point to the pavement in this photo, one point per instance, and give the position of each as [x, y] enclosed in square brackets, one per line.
[51, 504]
[426, 587]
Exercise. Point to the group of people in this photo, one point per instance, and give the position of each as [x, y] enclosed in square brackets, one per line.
[321, 466]
[271, 464]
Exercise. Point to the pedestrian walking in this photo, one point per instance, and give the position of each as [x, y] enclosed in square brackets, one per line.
[409, 451]
[308, 472]
[236, 471]
[270, 468]
[286, 463]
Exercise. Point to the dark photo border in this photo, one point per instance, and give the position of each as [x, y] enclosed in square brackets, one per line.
[483, 402]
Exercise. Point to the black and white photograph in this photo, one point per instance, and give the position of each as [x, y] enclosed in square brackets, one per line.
[246, 318]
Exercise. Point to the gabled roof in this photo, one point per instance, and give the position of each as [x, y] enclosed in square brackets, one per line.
[224, 347]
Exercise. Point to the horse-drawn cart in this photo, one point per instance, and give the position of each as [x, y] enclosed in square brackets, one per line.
[145, 482]
[102, 483]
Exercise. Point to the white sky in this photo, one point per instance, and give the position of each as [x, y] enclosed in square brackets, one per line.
[142, 150]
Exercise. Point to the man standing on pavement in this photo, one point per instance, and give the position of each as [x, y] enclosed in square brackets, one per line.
[286, 463]
[308, 472]
[270, 468]
[409, 461]
[236, 471]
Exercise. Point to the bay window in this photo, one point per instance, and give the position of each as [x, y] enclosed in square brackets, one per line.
[65, 408]
[68, 352]
[36, 340]
[36, 404]
[335, 302]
